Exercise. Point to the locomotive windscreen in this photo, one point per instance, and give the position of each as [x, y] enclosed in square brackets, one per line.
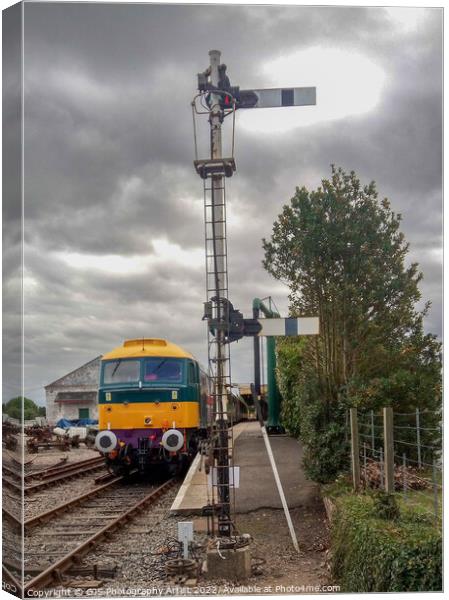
[166, 370]
[121, 371]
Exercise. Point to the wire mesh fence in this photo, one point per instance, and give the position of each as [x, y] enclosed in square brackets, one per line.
[400, 453]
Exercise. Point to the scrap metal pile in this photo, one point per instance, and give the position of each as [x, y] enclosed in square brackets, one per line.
[64, 439]
[10, 431]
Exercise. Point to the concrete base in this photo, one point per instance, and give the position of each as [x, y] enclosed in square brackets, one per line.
[232, 565]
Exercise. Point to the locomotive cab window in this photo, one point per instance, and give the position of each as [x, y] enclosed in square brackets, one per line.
[192, 373]
[165, 370]
[121, 371]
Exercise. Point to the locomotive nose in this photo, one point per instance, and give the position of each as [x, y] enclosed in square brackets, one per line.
[105, 441]
[172, 440]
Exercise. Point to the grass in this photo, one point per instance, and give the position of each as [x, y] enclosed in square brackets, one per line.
[378, 548]
[416, 503]
[422, 502]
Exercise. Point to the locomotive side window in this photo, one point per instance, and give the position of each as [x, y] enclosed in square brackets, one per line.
[121, 371]
[166, 370]
[192, 373]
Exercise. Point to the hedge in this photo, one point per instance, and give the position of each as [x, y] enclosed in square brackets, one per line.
[374, 554]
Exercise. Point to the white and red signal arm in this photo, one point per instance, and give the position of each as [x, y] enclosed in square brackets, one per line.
[277, 97]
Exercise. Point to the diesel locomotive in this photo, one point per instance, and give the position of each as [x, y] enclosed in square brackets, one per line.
[154, 405]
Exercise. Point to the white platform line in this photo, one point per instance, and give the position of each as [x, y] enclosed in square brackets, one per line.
[186, 483]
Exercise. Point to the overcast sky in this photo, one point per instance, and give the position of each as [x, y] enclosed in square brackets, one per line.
[113, 207]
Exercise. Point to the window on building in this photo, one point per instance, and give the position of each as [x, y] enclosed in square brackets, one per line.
[83, 413]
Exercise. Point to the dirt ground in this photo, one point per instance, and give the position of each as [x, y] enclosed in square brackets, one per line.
[273, 553]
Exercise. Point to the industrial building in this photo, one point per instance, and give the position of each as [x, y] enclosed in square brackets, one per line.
[74, 396]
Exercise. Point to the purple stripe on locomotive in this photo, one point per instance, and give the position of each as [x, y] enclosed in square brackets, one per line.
[131, 436]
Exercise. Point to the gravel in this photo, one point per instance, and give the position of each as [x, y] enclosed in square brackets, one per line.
[40, 502]
[278, 569]
[53, 457]
[47, 542]
[11, 501]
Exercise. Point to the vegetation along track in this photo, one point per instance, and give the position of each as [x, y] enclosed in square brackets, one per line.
[39, 480]
[58, 539]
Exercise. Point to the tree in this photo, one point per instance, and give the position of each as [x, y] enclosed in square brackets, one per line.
[341, 252]
[13, 408]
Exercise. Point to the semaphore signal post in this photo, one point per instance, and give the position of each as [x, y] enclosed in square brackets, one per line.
[218, 100]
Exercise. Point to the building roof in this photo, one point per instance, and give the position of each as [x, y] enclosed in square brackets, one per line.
[147, 347]
[60, 381]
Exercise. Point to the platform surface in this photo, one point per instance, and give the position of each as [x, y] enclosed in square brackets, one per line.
[257, 484]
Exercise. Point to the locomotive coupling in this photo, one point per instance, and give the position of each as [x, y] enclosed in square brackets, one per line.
[106, 441]
[172, 440]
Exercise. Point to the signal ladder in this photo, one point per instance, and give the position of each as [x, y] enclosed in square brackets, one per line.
[218, 350]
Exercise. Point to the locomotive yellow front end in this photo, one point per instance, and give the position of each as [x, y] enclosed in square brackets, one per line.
[154, 406]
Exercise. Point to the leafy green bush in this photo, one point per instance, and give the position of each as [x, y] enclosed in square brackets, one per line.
[326, 449]
[304, 415]
[372, 554]
[289, 352]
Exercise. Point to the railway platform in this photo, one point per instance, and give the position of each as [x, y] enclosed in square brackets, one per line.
[257, 485]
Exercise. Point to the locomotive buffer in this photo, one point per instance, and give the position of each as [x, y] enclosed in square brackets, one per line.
[218, 99]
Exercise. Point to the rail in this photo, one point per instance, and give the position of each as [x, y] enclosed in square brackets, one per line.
[52, 476]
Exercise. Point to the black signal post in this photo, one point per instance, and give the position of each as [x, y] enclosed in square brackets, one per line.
[219, 99]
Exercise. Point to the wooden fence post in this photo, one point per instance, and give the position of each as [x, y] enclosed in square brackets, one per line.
[355, 448]
[388, 449]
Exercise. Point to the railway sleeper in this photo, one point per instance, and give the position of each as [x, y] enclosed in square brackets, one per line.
[96, 570]
[87, 584]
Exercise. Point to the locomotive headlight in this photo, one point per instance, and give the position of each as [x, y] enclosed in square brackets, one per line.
[173, 440]
[105, 441]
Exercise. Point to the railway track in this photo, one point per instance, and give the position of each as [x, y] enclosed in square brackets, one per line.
[10, 582]
[62, 536]
[63, 468]
[60, 508]
[39, 480]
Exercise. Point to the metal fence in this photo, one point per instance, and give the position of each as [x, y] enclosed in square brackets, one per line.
[400, 453]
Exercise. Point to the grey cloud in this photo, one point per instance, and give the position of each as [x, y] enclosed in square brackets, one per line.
[109, 150]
